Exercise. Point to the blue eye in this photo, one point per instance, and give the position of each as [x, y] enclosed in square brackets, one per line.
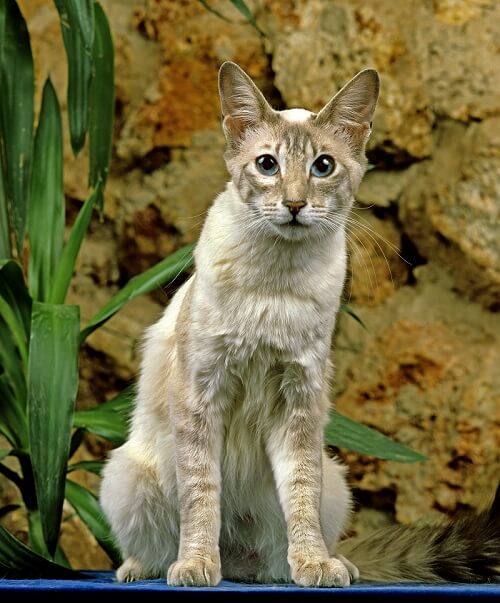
[267, 165]
[323, 166]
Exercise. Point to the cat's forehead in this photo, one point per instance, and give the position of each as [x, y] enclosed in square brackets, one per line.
[294, 132]
[296, 115]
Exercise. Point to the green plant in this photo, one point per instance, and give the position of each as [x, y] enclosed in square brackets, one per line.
[40, 335]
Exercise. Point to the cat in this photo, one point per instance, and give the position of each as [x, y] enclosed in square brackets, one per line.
[224, 471]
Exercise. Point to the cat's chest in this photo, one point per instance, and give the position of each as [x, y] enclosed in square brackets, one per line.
[276, 324]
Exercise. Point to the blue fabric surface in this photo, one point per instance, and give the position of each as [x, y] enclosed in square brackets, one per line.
[101, 584]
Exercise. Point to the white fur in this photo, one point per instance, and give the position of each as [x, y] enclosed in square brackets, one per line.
[296, 115]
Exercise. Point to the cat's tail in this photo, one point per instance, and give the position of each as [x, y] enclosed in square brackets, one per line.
[464, 550]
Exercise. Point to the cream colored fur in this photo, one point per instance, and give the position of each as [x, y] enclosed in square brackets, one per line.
[224, 473]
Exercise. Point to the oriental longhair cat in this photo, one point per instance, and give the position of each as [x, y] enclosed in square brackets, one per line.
[224, 472]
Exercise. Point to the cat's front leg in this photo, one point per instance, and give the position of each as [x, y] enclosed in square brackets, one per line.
[198, 436]
[295, 450]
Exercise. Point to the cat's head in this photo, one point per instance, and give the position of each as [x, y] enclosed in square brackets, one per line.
[296, 171]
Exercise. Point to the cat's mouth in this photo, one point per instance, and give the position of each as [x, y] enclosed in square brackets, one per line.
[294, 222]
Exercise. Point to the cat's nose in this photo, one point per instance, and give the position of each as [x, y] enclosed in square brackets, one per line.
[294, 206]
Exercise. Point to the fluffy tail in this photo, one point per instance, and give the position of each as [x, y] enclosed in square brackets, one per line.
[465, 550]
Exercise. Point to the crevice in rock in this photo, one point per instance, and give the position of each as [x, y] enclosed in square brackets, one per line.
[380, 500]
[268, 87]
[387, 156]
[411, 254]
[155, 159]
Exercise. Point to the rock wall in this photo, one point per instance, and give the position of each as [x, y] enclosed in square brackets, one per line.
[425, 251]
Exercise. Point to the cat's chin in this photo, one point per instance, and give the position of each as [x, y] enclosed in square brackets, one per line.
[292, 231]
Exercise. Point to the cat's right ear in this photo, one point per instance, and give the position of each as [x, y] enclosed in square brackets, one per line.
[243, 104]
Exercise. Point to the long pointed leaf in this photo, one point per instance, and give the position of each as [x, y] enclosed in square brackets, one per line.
[13, 421]
[18, 561]
[37, 543]
[77, 27]
[106, 423]
[4, 453]
[52, 388]
[13, 290]
[95, 467]
[163, 272]
[15, 312]
[16, 113]
[46, 207]
[247, 13]
[88, 509]
[346, 433]
[66, 264]
[122, 402]
[5, 250]
[102, 100]
[110, 419]
[348, 310]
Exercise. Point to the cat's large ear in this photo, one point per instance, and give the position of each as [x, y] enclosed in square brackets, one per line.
[352, 108]
[243, 104]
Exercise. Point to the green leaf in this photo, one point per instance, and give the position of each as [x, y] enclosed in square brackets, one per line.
[247, 13]
[15, 311]
[122, 402]
[76, 440]
[37, 542]
[110, 419]
[215, 12]
[104, 422]
[95, 467]
[18, 561]
[77, 27]
[5, 250]
[88, 509]
[52, 388]
[16, 113]
[5, 453]
[345, 308]
[67, 262]
[13, 290]
[346, 433]
[46, 207]
[102, 101]
[163, 272]
[13, 421]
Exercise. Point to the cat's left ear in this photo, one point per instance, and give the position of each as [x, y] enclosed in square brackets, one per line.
[243, 104]
[352, 108]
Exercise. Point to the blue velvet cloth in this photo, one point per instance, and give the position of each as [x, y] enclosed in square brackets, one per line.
[100, 586]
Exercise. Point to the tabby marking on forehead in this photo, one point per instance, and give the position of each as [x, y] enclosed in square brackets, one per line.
[296, 115]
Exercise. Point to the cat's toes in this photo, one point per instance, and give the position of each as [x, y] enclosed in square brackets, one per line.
[351, 568]
[130, 571]
[325, 572]
[197, 571]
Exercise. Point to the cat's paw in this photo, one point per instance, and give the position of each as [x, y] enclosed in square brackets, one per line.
[196, 571]
[324, 572]
[130, 571]
[351, 568]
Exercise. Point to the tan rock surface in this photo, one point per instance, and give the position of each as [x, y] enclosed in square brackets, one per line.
[450, 207]
[426, 373]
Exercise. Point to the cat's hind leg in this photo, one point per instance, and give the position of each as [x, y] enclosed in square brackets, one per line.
[142, 511]
[130, 571]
